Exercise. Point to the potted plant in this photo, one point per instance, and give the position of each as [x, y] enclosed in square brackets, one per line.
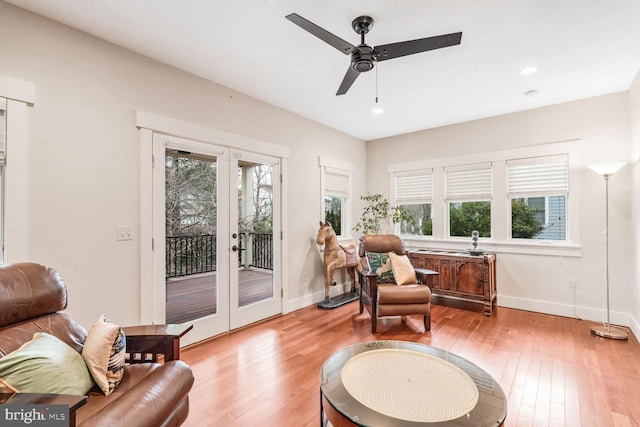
[377, 212]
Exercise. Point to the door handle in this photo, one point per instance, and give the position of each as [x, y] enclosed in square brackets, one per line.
[234, 248]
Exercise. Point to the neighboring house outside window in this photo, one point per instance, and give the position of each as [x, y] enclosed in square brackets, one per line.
[336, 194]
[414, 192]
[538, 190]
[468, 199]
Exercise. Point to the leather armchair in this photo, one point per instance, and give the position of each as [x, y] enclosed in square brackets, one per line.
[32, 297]
[390, 299]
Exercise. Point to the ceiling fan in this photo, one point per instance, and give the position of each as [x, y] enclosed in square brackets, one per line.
[363, 56]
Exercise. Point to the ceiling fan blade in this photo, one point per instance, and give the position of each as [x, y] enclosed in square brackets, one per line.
[347, 81]
[396, 50]
[324, 35]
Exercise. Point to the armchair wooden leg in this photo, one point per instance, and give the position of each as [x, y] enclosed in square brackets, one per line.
[374, 324]
[427, 323]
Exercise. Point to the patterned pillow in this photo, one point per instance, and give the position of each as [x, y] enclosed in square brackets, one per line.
[103, 352]
[381, 265]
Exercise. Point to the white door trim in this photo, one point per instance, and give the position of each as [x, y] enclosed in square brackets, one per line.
[149, 123]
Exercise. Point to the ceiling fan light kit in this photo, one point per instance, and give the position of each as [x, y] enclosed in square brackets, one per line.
[363, 56]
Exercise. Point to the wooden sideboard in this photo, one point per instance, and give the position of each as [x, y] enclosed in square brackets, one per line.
[462, 276]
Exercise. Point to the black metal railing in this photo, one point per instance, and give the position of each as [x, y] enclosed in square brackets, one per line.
[190, 255]
[187, 255]
[262, 250]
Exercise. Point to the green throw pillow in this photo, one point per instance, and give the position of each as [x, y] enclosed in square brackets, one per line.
[381, 265]
[46, 365]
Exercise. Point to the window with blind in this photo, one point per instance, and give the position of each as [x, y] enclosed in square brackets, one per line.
[336, 192]
[414, 192]
[3, 150]
[538, 189]
[468, 199]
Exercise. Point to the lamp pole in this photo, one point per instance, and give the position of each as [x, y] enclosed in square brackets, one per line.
[608, 331]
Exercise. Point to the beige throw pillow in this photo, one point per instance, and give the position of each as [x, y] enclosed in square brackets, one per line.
[403, 271]
[103, 352]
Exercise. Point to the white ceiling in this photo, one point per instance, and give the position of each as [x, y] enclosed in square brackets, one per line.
[582, 48]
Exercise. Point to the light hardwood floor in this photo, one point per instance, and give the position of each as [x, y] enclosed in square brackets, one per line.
[552, 369]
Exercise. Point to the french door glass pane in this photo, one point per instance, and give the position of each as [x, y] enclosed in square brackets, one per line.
[255, 226]
[191, 242]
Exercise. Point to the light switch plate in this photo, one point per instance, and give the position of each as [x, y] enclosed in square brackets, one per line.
[124, 232]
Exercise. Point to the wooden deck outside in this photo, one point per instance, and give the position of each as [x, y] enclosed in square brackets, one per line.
[195, 296]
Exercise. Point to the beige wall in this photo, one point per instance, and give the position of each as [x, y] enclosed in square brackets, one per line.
[84, 158]
[634, 112]
[540, 282]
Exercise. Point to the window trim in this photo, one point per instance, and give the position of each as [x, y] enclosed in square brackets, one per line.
[3, 152]
[338, 167]
[425, 198]
[556, 188]
[19, 95]
[500, 209]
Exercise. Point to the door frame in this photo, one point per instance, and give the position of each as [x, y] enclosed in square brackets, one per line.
[148, 123]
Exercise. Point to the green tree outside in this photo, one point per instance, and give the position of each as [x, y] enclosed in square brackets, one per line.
[333, 213]
[524, 224]
[465, 217]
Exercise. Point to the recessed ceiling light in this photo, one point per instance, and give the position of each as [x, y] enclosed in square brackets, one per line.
[530, 93]
[528, 70]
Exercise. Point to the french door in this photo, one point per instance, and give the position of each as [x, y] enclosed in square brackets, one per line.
[255, 293]
[216, 254]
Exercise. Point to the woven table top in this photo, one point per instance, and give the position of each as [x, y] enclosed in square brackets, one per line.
[409, 385]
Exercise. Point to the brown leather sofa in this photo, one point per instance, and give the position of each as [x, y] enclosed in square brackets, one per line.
[150, 394]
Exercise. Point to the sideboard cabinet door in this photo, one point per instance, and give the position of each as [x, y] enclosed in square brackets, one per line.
[462, 276]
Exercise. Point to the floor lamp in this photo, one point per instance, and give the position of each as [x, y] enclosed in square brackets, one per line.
[606, 330]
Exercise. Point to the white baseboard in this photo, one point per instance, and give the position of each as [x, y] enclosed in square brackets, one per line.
[315, 298]
[565, 310]
[635, 327]
[546, 307]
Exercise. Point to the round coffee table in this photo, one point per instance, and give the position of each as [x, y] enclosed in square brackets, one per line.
[400, 383]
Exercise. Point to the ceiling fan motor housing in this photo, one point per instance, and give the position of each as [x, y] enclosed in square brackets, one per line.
[363, 59]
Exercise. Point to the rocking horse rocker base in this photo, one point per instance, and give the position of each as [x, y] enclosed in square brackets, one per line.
[339, 300]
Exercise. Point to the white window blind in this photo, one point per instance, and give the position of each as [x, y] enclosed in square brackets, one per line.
[414, 186]
[547, 176]
[336, 182]
[468, 182]
[3, 129]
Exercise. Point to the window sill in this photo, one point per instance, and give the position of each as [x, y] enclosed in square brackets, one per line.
[526, 248]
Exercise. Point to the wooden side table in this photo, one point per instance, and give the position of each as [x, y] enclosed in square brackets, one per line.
[149, 343]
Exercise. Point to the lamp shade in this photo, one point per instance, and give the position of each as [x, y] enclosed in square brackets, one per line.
[607, 168]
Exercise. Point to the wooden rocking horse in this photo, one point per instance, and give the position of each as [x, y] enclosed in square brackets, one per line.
[337, 256]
